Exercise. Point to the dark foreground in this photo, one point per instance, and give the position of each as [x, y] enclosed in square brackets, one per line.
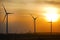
[29, 36]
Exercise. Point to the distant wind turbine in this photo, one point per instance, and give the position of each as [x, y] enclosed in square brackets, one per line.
[34, 18]
[51, 25]
[6, 16]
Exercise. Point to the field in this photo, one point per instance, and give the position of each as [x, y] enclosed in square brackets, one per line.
[30, 36]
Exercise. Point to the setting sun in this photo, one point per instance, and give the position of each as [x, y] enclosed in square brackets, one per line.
[52, 17]
[51, 14]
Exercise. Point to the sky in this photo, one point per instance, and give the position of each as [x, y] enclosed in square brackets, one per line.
[21, 21]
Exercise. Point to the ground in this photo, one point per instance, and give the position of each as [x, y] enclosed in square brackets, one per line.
[30, 36]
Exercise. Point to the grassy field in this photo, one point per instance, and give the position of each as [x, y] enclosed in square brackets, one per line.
[30, 36]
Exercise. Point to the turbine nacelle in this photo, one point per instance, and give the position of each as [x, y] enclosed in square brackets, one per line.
[34, 17]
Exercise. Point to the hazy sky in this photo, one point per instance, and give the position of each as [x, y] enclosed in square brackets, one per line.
[21, 21]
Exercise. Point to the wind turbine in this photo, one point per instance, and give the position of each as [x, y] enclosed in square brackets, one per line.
[6, 16]
[51, 26]
[34, 18]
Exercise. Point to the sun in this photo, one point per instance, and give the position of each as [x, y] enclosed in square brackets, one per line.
[52, 17]
[51, 14]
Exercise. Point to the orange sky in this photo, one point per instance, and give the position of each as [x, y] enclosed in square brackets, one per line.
[21, 21]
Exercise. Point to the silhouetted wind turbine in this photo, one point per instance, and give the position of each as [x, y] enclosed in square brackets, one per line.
[34, 18]
[51, 26]
[6, 16]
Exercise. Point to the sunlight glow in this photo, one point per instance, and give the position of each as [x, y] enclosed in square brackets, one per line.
[51, 14]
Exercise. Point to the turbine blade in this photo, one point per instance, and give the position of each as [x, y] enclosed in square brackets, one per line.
[37, 17]
[31, 15]
[9, 13]
[4, 18]
[4, 8]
